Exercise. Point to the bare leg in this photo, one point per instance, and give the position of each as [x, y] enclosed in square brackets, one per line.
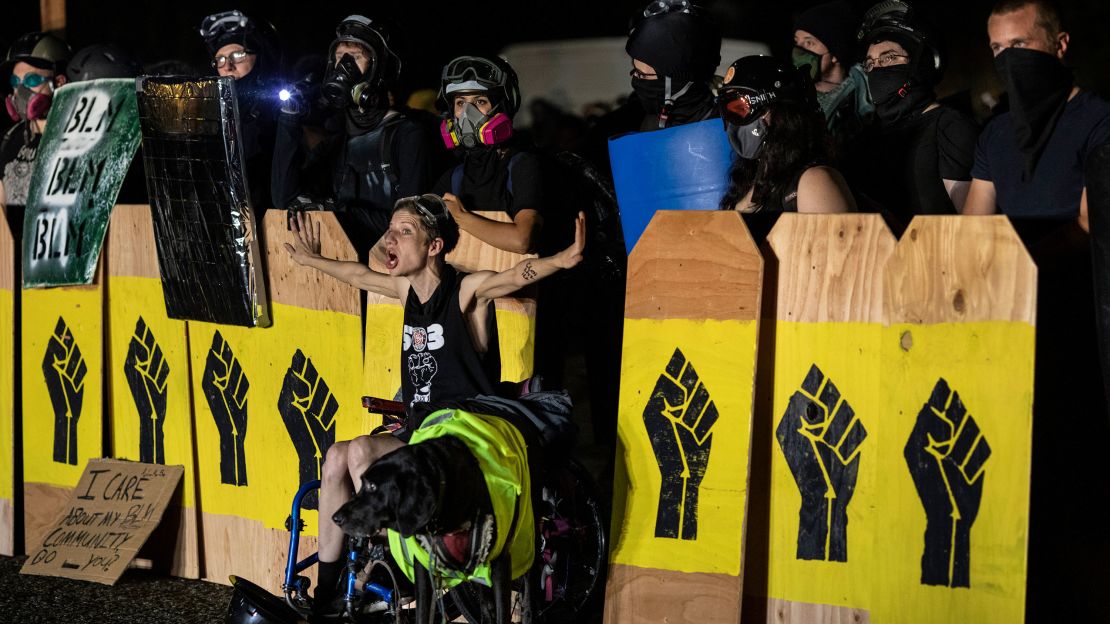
[343, 468]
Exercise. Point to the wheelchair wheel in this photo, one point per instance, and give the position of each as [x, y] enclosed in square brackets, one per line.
[566, 581]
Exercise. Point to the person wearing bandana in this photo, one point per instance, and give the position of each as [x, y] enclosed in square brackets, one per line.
[675, 49]
[34, 69]
[1029, 161]
[774, 124]
[918, 160]
[824, 44]
[342, 146]
[479, 97]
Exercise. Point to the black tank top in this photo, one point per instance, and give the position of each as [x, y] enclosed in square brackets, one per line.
[438, 359]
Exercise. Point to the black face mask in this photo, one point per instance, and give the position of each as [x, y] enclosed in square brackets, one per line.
[691, 101]
[896, 94]
[1038, 85]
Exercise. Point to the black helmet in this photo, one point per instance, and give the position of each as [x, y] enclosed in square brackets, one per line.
[39, 49]
[375, 36]
[102, 61]
[250, 604]
[895, 20]
[258, 36]
[754, 83]
[474, 73]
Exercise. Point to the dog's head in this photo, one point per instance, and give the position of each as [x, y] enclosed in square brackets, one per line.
[401, 491]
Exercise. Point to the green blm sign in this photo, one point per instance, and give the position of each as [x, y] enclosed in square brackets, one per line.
[86, 150]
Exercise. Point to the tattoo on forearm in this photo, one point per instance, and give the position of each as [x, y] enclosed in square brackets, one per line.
[528, 273]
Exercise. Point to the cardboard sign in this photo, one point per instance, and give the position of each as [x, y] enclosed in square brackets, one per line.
[954, 462]
[110, 515]
[84, 156]
[687, 376]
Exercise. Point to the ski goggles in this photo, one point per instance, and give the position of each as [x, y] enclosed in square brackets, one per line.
[466, 69]
[29, 80]
[740, 108]
[222, 23]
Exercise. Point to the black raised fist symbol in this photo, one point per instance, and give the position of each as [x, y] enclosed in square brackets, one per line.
[422, 367]
[146, 371]
[225, 387]
[947, 455]
[820, 437]
[64, 370]
[678, 418]
[308, 409]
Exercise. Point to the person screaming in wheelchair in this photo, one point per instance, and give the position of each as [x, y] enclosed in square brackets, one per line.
[449, 341]
[479, 97]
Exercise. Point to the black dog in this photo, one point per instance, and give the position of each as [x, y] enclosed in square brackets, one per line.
[434, 488]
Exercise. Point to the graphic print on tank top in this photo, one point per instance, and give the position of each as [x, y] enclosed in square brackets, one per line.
[422, 365]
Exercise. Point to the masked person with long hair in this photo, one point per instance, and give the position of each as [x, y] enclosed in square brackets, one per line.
[342, 146]
[247, 50]
[776, 128]
[1029, 161]
[479, 97]
[34, 69]
[918, 160]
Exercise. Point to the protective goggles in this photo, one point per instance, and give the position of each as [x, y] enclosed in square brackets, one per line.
[740, 108]
[472, 68]
[659, 7]
[221, 23]
[30, 80]
[430, 207]
[234, 58]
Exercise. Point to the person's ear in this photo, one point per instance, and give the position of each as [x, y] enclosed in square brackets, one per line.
[435, 247]
[1062, 40]
[60, 80]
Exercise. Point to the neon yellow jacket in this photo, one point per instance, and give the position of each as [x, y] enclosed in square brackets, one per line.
[503, 458]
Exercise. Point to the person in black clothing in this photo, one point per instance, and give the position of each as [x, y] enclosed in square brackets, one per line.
[918, 161]
[247, 50]
[358, 155]
[775, 126]
[35, 65]
[449, 344]
[480, 96]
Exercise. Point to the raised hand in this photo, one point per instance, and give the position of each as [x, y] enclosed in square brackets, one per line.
[306, 238]
[820, 437]
[678, 418]
[64, 369]
[147, 372]
[225, 388]
[947, 455]
[571, 256]
[308, 409]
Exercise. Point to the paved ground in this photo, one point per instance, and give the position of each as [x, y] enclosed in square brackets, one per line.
[139, 596]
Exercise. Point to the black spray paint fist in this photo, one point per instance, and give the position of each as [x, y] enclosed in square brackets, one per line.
[946, 455]
[820, 437]
[225, 388]
[147, 372]
[64, 370]
[678, 418]
[308, 409]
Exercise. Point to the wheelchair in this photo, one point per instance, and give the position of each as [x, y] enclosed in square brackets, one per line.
[565, 583]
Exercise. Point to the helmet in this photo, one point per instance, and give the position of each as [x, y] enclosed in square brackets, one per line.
[42, 50]
[895, 20]
[470, 74]
[474, 73]
[754, 83]
[250, 604]
[102, 61]
[258, 36]
[385, 64]
[677, 38]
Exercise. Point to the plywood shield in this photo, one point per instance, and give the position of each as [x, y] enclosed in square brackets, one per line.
[149, 398]
[954, 460]
[516, 319]
[680, 492]
[815, 515]
[63, 403]
[268, 404]
[8, 439]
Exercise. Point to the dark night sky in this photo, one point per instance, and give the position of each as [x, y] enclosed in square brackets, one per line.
[437, 31]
